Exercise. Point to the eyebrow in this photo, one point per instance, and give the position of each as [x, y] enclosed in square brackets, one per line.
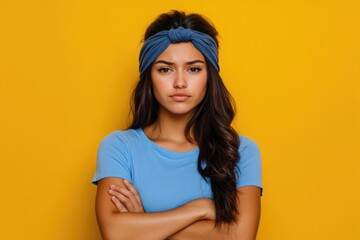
[171, 63]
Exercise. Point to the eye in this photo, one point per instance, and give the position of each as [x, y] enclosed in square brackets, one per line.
[164, 70]
[194, 69]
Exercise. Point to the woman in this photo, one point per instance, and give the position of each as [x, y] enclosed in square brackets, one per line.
[180, 171]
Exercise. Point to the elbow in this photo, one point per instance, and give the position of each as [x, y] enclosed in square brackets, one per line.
[244, 231]
[111, 234]
[112, 228]
[108, 234]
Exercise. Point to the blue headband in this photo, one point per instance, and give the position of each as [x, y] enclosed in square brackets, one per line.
[157, 43]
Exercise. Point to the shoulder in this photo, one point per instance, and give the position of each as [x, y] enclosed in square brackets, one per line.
[119, 142]
[117, 137]
[114, 155]
[247, 145]
[121, 135]
[250, 163]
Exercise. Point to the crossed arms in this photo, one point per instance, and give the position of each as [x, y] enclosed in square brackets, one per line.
[120, 215]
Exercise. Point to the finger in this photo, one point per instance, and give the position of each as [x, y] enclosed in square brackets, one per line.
[128, 194]
[122, 189]
[127, 202]
[135, 197]
[126, 197]
[133, 190]
[120, 207]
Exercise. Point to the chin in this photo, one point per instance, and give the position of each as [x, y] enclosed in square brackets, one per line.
[182, 111]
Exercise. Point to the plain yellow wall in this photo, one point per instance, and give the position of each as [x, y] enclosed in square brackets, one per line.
[67, 69]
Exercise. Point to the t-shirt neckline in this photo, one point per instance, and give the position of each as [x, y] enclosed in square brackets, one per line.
[165, 150]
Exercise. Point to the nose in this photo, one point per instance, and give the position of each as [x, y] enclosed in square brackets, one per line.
[180, 81]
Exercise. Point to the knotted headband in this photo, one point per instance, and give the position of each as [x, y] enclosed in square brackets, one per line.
[157, 43]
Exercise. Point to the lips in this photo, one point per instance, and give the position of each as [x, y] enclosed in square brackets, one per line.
[179, 97]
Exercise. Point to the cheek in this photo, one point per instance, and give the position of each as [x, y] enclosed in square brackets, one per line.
[156, 91]
[160, 89]
[156, 85]
[201, 85]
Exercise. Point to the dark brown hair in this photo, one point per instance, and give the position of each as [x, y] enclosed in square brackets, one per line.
[210, 122]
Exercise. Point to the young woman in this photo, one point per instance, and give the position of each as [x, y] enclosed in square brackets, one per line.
[180, 171]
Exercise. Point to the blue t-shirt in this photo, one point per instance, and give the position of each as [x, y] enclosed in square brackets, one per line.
[166, 179]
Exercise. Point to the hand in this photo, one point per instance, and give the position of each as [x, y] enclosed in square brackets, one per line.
[206, 205]
[126, 198]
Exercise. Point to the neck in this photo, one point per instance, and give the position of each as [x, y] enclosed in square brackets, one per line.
[169, 126]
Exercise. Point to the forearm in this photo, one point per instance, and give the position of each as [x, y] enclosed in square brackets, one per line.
[205, 230]
[148, 225]
[245, 227]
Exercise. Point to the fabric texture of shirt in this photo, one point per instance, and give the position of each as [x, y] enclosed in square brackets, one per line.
[166, 179]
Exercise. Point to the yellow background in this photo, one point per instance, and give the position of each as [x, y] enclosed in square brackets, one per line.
[67, 69]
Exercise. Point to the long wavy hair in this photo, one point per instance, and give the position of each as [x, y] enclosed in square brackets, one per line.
[210, 122]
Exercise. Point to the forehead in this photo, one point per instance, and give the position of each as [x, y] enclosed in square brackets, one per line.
[181, 52]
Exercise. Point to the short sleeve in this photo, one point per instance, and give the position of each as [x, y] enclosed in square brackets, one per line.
[113, 158]
[249, 167]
